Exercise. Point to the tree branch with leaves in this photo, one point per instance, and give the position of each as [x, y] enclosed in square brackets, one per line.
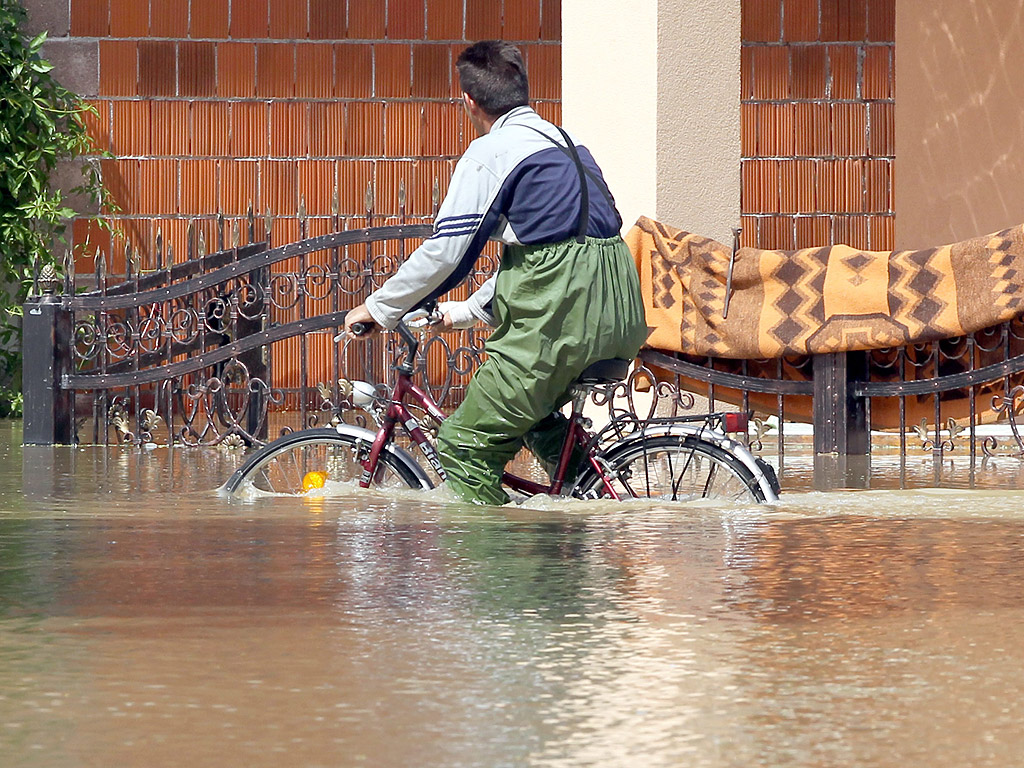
[40, 125]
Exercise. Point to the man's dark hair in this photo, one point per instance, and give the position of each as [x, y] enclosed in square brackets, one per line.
[493, 74]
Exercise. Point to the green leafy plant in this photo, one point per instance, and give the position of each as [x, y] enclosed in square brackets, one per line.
[11, 403]
[40, 125]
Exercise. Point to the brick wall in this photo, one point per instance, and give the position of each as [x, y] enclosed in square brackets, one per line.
[210, 106]
[817, 123]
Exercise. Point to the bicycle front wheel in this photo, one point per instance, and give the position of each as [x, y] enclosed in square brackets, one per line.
[673, 468]
[285, 465]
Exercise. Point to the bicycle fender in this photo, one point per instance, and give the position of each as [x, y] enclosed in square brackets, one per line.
[713, 436]
[400, 454]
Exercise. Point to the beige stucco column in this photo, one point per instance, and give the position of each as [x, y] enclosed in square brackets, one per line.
[959, 119]
[653, 89]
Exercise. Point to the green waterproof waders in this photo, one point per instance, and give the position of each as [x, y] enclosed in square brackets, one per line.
[558, 309]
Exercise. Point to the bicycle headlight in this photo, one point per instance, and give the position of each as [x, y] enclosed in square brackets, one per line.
[363, 394]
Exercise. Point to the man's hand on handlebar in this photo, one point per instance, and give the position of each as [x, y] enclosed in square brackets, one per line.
[359, 322]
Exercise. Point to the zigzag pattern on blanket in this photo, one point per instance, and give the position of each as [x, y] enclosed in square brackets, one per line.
[819, 300]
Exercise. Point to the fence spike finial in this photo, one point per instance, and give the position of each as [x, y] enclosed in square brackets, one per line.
[33, 289]
[202, 244]
[190, 240]
[302, 208]
[168, 256]
[435, 195]
[236, 233]
[336, 202]
[251, 218]
[48, 280]
[69, 271]
[159, 248]
[268, 221]
[368, 199]
[131, 261]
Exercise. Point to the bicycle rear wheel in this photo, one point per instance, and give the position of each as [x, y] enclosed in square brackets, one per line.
[280, 467]
[673, 468]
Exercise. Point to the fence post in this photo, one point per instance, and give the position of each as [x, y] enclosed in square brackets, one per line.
[46, 352]
[842, 437]
[256, 360]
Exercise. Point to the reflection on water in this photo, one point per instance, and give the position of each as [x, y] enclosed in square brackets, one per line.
[144, 620]
[889, 472]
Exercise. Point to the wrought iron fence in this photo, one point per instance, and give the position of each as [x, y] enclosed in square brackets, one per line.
[956, 401]
[223, 348]
[232, 347]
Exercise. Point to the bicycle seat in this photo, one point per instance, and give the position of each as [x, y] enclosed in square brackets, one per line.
[605, 372]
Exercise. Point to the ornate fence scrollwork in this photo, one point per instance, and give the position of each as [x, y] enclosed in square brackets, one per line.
[1009, 407]
[214, 350]
[230, 409]
[627, 404]
[959, 396]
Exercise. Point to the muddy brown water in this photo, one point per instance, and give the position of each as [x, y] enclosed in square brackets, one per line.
[147, 621]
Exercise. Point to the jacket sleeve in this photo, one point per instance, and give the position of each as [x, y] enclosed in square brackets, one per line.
[475, 309]
[480, 302]
[459, 235]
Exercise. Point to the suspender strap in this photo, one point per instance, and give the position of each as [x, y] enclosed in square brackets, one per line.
[570, 150]
[581, 225]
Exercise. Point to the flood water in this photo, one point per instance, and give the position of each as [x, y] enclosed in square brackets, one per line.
[146, 621]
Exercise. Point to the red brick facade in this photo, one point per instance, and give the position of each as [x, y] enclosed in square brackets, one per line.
[210, 106]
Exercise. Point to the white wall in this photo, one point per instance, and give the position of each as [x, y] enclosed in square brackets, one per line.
[698, 122]
[609, 94]
[652, 87]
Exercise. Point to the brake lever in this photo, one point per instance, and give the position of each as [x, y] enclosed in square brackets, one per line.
[424, 319]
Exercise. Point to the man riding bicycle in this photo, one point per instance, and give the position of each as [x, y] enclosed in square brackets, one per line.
[566, 293]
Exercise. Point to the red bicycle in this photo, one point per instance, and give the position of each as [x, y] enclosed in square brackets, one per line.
[675, 459]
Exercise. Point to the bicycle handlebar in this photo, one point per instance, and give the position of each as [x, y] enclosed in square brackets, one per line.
[417, 318]
[431, 317]
[411, 342]
[361, 329]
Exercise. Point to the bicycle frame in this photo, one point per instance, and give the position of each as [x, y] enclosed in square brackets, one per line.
[397, 413]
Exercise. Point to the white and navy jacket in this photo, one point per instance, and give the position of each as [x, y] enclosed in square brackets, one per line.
[518, 184]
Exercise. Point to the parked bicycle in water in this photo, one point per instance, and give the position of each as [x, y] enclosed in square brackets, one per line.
[679, 458]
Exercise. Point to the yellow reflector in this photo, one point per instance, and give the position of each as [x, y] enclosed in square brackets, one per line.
[314, 479]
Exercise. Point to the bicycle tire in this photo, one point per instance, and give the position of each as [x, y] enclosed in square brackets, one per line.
[279, 466]
[672, 468]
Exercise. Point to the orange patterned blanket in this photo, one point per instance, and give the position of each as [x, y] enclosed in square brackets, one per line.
[820, 300]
